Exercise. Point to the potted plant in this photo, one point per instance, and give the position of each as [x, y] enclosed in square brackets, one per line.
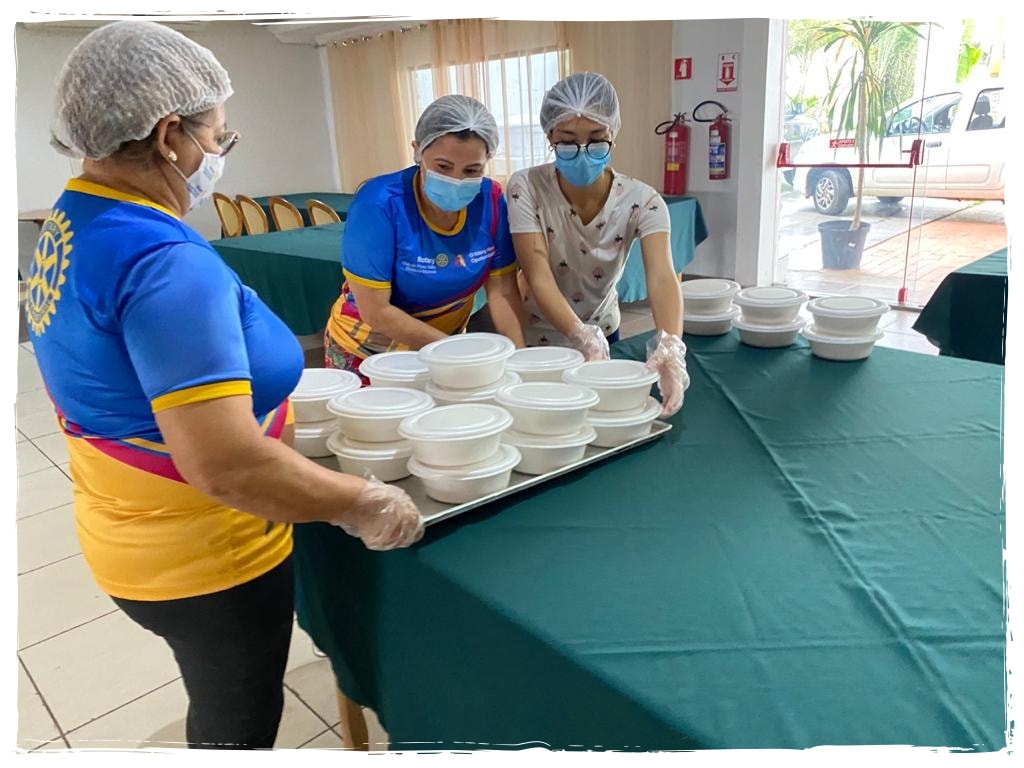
[856, 103]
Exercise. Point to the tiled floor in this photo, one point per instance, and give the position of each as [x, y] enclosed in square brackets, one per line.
[87, 675]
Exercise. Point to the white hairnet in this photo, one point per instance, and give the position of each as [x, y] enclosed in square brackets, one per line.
[122, 78]
[584, 94]
[454, 113]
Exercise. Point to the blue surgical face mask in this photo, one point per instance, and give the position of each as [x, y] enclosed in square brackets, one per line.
[583, 170]
[450, 194]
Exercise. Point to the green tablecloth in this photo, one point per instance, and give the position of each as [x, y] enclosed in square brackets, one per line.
[339, 201]
[812, 556]
[966, 316]
[297, 273]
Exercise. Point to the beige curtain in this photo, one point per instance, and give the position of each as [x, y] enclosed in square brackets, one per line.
[636, 56]
[377, 100]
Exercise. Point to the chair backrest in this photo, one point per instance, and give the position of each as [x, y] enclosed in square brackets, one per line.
[982, 119]
[253, 216]
[285, 215]
[230, 215]
[321, 213]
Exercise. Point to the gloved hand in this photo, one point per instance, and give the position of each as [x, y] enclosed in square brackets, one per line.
[590, 340]
[666, 356]
[384, 517]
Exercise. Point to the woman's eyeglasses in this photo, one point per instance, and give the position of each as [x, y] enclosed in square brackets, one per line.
[224, 141]
[568, 150]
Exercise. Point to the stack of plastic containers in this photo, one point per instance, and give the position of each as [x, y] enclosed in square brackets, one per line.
[769, 315]
[314, 423]
[625, 409]
[707, 306]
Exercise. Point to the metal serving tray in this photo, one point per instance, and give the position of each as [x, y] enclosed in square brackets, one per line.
[436, 511]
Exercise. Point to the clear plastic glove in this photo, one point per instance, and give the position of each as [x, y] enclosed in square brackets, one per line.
[666, 356]
[591, 341]
[384, 517]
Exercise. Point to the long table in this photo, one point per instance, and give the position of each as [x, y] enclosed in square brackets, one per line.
[812, 556]
[298, 272]
[339, 201]
[966, 316]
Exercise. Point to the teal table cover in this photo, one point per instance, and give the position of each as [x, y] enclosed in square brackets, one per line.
[812, 556]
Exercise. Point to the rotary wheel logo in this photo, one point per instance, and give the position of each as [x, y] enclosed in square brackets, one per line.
[51, 261]
[441, 260]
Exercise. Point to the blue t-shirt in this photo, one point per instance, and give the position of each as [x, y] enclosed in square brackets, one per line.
[131, 311]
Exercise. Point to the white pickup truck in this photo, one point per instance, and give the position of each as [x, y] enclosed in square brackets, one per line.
[963, 129]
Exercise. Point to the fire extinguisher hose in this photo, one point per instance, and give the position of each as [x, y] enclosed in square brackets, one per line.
[662, 128]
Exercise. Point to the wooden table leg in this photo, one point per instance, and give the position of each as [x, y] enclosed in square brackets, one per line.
[354, 732]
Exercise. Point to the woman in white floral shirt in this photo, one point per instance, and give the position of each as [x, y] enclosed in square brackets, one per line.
[573, 222]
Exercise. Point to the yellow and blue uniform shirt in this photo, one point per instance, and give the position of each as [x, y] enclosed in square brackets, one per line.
[432, 273]
[131, 312]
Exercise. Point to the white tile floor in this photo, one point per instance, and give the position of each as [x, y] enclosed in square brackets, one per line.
[87, 675]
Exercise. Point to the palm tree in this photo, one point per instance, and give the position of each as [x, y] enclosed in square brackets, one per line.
[858, 92]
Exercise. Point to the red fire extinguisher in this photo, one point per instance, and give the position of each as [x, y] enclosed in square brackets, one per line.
[719, 158]
[677, 153]
[718, 148]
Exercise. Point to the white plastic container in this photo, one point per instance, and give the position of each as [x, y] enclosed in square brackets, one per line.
[840, 347]
[617, 428]
[468, 360]
[769, 304]
[456, 435]
[372, 414]
[466, 483]
[447, 396]
[621, 385]
[396, 369]
[709, 325]
[768, 335]
[847, 316]
[311, 437]
[545, 453]
[547, 407]
[708, 296]
[385, 461]
[543, 363]
[316, 388]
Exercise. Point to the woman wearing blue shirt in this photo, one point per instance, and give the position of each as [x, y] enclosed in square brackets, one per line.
[420, 242]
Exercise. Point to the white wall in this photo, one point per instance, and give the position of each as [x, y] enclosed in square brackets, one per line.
[278, 107]
[740, 211]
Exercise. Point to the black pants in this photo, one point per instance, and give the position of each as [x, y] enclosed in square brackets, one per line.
[231, 648]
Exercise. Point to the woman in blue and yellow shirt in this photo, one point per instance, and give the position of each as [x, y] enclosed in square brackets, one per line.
[170, 380]
[420, 242]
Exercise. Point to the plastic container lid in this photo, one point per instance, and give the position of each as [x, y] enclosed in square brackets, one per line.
[732, 312]
[769, 296]
[709, 288]
[323, 383]
[468, 349]
[339, 444]
[743, 325]
[611, 374]
[314, 429]
[537, 359]
[582, 436]
[547, 396]
[503, 460]
[852, 307]
[456, 422]
[400, 366]
[626, 418]
[481, 394]
[811, 333]
[380, 402]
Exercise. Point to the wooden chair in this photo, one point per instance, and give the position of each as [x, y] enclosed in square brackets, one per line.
[253, 216]
[321, 213]
[285, 215]
[230, 215]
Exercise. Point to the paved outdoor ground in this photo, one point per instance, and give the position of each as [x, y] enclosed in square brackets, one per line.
[940, 236]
